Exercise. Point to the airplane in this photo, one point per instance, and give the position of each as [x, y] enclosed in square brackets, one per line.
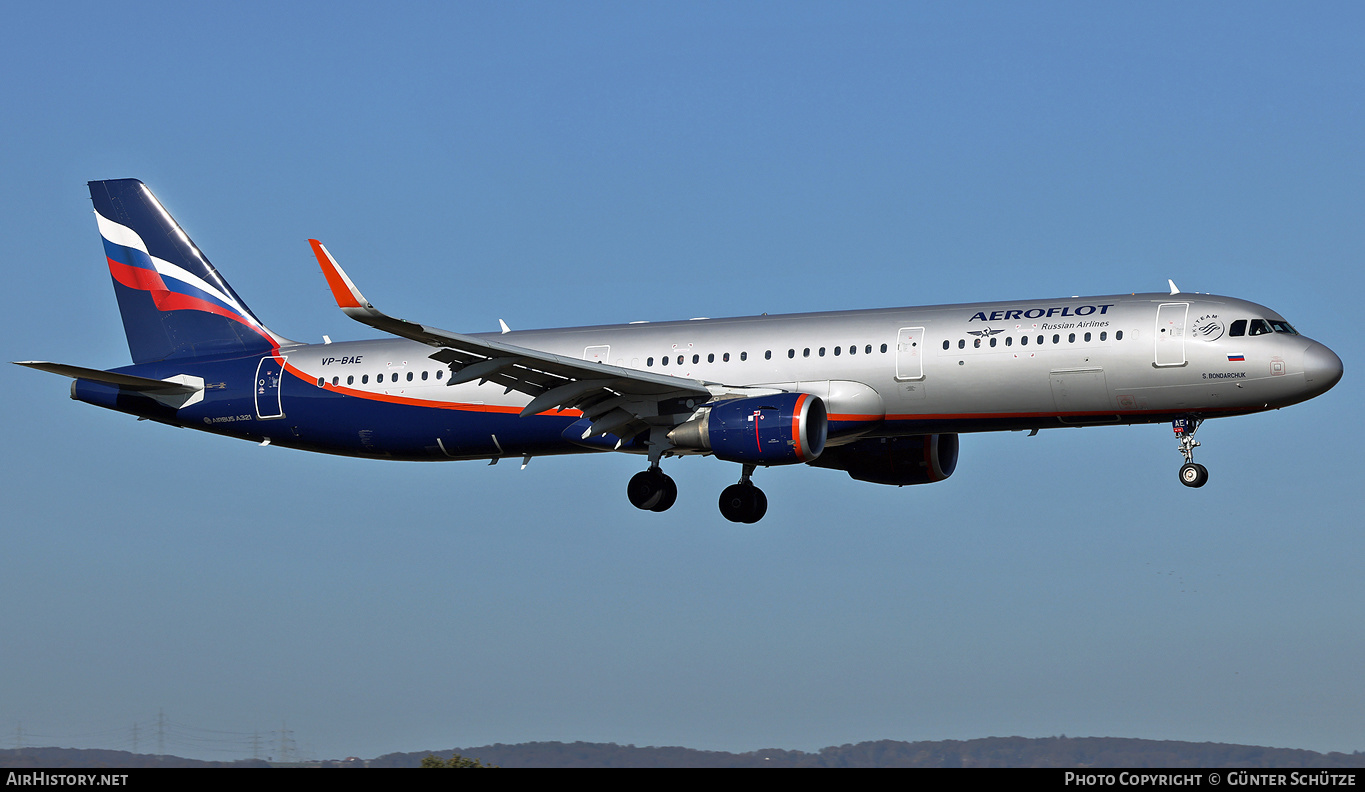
[882, 394]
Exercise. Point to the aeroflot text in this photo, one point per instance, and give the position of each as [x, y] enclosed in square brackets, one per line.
[1039, 313]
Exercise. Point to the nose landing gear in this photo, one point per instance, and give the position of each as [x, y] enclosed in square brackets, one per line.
[1191, 473]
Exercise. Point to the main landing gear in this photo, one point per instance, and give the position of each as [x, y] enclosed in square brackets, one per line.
[652, 490]
[1191, 474]
[743, 502]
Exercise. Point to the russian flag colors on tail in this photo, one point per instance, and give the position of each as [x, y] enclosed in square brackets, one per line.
[174, 303]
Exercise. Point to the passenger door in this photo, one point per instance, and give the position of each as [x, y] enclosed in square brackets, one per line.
[1170, 333]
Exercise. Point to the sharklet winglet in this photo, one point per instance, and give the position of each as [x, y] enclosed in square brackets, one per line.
[343, 289]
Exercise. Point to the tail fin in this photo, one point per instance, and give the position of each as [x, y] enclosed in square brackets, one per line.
[174, 303]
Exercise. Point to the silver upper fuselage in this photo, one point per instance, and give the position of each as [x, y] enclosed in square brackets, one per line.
[971, 367]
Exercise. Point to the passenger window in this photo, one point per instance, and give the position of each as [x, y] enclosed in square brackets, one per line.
[440, 373]
[1071, 339]
[883, 348]
[805, 352]
[976, 343]
[993, 341]
[743, 355]
[696, 358]
[424, 376]
[1103, 335]
[350, 379]
[962, 343]
[945, 344]
[822, 351]
[1023, 340]
[711, 357]
[336, 380]
[1009, 340]
[1118, 335]
[791, 353]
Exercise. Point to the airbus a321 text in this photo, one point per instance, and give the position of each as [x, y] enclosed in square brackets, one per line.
[880, 394]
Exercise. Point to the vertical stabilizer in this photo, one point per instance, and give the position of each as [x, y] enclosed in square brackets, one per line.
[174, 303]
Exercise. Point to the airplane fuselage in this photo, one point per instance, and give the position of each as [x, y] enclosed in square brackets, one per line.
[882, 395]
[899, 371]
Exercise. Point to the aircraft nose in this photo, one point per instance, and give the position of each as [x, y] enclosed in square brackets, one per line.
[1321, 367]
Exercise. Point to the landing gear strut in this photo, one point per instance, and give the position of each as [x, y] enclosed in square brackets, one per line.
[743, 502]
[1191, 474]
[651, 490]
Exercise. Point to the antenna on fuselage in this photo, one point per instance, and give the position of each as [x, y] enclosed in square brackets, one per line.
[1174, 289]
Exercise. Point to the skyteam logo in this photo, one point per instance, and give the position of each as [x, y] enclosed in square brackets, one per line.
[1207, 327]
[172, 287]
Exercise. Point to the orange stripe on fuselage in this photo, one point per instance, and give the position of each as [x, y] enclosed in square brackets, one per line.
[411, 402]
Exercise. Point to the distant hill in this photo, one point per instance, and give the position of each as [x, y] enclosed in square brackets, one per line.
[95, 758]
[987, 752]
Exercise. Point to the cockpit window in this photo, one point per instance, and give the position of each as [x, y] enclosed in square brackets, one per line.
[1259, 327]
[1283, 327]
[1239, 328]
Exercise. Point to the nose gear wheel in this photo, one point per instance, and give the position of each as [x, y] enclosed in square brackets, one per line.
[1191, 473]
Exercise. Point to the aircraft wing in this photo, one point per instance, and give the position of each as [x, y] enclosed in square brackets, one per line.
[617, 400]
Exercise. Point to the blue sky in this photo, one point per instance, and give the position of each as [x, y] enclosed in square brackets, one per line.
[561, 164]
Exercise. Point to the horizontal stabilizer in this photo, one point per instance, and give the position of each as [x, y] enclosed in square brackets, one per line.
[110, 378]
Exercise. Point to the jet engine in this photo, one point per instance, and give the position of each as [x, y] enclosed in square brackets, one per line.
[781, 429]
[922, 459]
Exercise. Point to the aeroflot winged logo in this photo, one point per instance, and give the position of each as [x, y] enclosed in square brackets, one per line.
[1005, 315]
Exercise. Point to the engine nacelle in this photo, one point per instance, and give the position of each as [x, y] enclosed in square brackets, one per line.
[781, 429]
[922, 459]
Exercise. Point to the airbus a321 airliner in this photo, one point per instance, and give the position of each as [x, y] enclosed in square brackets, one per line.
[880, 394]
